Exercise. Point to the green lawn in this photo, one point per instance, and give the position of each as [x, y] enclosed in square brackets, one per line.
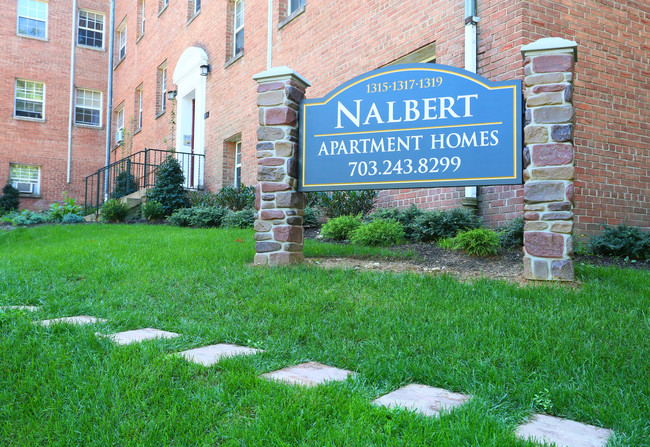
[577, 353]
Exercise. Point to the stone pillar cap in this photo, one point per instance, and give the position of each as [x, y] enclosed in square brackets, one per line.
[551, 45]
[279, 74]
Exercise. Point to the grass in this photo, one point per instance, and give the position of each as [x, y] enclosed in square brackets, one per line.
[581, 354]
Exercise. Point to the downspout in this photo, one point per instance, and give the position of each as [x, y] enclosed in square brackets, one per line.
[71, 109]
[269, 37]
[109, 102]
[470, 200]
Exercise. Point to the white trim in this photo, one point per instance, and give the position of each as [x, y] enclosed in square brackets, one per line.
[290, 10]
[46, 20]
[240, 28]
[85, 106]
[122, 43]
[91, 30]
[29, 118]
[36, 183]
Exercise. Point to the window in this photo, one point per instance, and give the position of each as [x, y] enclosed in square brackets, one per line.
[88, 107]
[239, 27]
[197, 6]
[32, 18]
[121, 35]
[294, 5]
[161, 97]
[141, 15]
[29, 99]
[119, 126]
[162, 5]
[91, 29]
[138, 108]
[194, 8]
[237, 164]
[25, 178]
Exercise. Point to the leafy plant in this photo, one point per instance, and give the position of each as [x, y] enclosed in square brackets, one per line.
[478, 242]
[25, 218]
[169, 190]
[113, 210]
[439, 224]
[181, 217]
[340, 228]
[72, 219]
[311, 217]
[200, 217]
[9, 201]
[125, 184]
[346, 203]
[57, 211]
[152, 210]
[236, 199]
[407, 217]
[511, 235]
[378, 233]
[202, 198]
[623, 241]
[239, 219]
[542, 401]
[312, 199]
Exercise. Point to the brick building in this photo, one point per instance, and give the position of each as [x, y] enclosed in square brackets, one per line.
[160, 46]
[53, 135]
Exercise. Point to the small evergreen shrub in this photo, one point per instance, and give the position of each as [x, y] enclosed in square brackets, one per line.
[407, 217]
[448, 243]
[239, 219]
[25, 218]
[236, 199]
[207, 217]
[311, 217]
[623, 241]
[169, 190]
[114, 211]
[312, 199]
[202, 198]
[440, 224]
[181, 217]
[125, 184]
[478, 242]
[346, 203]
[378, 233]
[9, 201]
[152, 210]
[512, 234]
[340, 228]
[57, 211]
[72, 219]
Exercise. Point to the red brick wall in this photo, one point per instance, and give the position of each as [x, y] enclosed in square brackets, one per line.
[46, 143]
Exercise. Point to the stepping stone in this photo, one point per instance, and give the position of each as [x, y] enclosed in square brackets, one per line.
[308, 374]
[27, 308]
[139, 335]
[209, 355]
[562, 432]
[422, 399]
[81, 319]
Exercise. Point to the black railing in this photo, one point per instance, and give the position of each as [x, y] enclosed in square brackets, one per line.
[138, 171]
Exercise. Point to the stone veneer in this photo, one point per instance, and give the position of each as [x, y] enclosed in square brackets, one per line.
[280, 207]
[549, 159]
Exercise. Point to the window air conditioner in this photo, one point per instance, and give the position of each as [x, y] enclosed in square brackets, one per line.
[119, 136]
[25, 188]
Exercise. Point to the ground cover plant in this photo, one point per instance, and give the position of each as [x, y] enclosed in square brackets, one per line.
[576, 352]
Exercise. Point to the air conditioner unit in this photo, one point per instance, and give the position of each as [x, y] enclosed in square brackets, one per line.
[24, 188]
[119, 136]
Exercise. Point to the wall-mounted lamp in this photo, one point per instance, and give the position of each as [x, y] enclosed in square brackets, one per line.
[171, 95]
[205, 69]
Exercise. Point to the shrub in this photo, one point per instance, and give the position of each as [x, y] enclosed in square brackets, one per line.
[340, 228]
[168, 190]
[379, 232]
[407, 217]
[202, 198]
[347, 203]
[312, 199]
[440, 224]
[125, 184]
[9, 201]
[622, 240]
[239, 219]
[181, 217]
[72, 219]
[512, 234]
[58, 212]
[25, 218]
[200, 217]
[311, 217]
[152, 210]
[236, 199]
[478, 242]
[114, 211]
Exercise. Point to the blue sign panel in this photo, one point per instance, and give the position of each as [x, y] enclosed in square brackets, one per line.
[412, 126]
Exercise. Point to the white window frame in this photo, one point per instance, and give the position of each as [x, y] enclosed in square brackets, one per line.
[91, 30]
[238, 27]
[122, 36]
[163, 89]
[140, 103]
[142, 17]
[16, 98]
[85, 106]
[30, 17]
[36, 182]
[119, 124]
[294, 5]
[238, 156]
[197, 6]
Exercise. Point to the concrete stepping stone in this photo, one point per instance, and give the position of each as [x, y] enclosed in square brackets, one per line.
[422, 399]
[562, 432]
[209, 355]
[80, 319]
[27, 308]
[308, 374]
[140, 335]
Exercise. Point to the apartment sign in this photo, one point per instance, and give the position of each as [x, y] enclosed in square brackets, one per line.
[412, 126]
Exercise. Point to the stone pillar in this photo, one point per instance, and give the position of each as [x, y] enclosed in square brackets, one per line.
[548, 159]
[280, 207]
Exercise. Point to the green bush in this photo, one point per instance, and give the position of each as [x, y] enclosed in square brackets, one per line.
[440, 224]
[57, 211]
[152, 210]
[236, 199]
[181, 217]
[113, 210]
[202, 199]
[623, 241]
[125, 184]
[340, 228]
[169, 190]
[407, 217]
[478, 242]
[378, 233]
[9, 201]
[312, 199]
[25, 218]
[72, 219]
[311, 217]
[511, 235]
[239, 219]
[347, 203]
[200, 217]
